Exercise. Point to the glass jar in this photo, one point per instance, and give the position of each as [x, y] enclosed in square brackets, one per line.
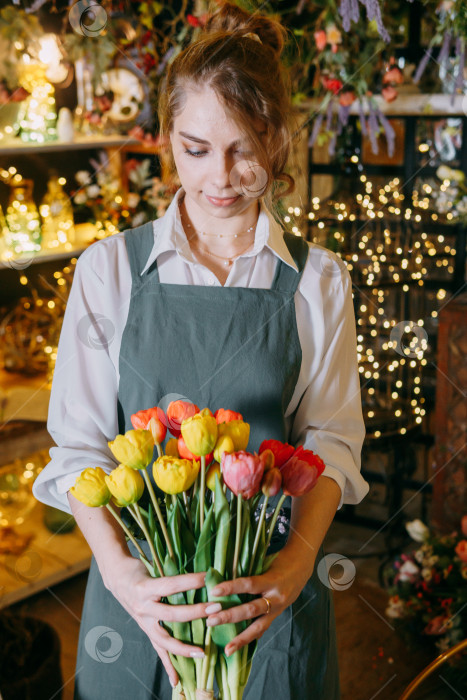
[23, 234]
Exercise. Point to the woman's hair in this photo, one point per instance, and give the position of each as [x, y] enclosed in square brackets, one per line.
[247, 77]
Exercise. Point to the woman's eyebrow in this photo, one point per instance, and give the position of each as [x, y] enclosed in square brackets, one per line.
[206, 143]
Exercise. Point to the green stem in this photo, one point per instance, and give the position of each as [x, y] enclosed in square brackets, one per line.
[159, 449]
[273, 521]
[187, 510]
[207, 652]
[237, 537]
[202, 491]
[134, 510]
[225, 679]
[127, 532]
[258, 533]
[158, 513]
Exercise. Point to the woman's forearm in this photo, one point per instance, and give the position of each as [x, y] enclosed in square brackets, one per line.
[103, 534]
[311, 517]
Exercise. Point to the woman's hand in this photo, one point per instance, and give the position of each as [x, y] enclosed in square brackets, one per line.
[140, 595]
[281, 585]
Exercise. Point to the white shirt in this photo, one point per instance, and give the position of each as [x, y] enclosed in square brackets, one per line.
[325, 412]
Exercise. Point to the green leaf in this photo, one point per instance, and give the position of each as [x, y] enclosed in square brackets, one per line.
[245, 551]
[203, 555]
[261, 552]
[174, 526]
[223, 634]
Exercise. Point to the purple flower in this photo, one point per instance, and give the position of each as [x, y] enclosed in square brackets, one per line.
[373, 12]
[329, 115]
[389, 131]
[362, 118]
[373, 129]
[315, 130]
[422, 65]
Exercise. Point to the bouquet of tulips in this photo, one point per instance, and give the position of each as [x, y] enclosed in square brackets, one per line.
[209, 518]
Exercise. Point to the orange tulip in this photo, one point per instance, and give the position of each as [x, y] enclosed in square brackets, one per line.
[185, 453]
[152, 419]
[223, 415]
[282, 451]
[177, 411]
[271, 483]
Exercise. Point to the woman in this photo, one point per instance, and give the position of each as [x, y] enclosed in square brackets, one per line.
[213, 303]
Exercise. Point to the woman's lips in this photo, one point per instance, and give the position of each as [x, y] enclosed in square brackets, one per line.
[222, 202]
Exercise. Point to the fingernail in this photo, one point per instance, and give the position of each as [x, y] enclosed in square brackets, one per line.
[197, 654]
[211, 621]
[216, 591]
[213, 608]
[174, 685]
[230, 651]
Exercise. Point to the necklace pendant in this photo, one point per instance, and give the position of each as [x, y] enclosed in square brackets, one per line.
[227, 262]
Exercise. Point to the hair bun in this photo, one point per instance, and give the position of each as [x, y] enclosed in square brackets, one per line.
[231, 19]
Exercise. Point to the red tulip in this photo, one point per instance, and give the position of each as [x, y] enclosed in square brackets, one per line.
[282, 451]
[271, 483]
[224, 415]
[389, 93]
[185, 453]
[300, 473]
[242, 472]
[177, 411]
[152, 419]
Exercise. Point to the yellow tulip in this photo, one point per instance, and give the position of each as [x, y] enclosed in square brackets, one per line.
[134, 449]
[174, 475]
[171, 448]
[224, 444]
[214, 469]
[200, 433]
[90, 488]
[239, 431]
[126, 485]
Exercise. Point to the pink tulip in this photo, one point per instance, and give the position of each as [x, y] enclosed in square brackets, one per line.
[300, 473]
[242, 472]
[321, 40]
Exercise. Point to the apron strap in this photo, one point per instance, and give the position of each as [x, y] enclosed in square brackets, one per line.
[286, 278]
[139, 243]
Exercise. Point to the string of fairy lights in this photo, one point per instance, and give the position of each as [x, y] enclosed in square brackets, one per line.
[391, 252]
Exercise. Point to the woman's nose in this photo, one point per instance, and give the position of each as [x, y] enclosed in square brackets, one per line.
[220, 176]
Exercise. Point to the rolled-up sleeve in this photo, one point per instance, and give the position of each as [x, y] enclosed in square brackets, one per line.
[328, 418]
[83, 403]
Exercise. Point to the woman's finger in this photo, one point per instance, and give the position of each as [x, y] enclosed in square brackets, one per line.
[245, 584]
[168, 643]
[253, 631]
[177, 584]
[165, 658]
[236, 613]
[185, 613]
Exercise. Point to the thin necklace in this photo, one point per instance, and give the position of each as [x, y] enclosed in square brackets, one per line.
[216, 235]
[226, 261]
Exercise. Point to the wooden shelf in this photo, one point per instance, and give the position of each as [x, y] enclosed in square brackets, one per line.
[24, 261]
[48, 559]
[18, 147]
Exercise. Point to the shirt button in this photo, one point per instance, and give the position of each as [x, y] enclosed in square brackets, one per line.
[211, 281]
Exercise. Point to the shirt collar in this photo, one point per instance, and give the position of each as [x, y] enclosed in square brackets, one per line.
[170, 236]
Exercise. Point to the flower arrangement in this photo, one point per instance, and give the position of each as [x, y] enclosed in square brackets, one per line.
[428, 588]
[209, 518]
[100, 200]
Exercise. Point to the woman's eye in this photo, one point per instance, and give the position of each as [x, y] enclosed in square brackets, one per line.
[196, 154]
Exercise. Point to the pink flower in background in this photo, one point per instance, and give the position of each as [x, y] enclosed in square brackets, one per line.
[321, 40]
[389, 93]
[408, 571]
[436, 625]
[393, 75]
[242, 472]
[461, 550]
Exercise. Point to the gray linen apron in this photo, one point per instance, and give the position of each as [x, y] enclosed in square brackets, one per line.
[222, 347]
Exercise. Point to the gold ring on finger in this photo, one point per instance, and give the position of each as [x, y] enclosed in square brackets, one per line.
[268, 603]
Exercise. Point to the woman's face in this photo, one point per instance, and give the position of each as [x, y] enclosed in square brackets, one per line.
[210, 153]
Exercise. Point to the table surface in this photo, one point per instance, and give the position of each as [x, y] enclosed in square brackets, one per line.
[48, 559]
